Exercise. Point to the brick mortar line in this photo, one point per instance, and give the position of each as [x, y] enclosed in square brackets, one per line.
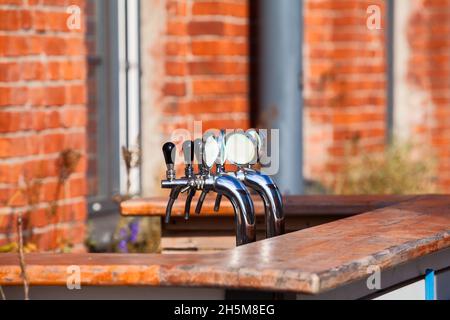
[210, 97]
[218, 76]
[213, 59]
[207, 37]
[439, 93]
[212, 38]
[341, 77]
[47, 180]
[223, 98]
[207, 97]
[366, 125]
[66, 35]
[10, 6]
[345, 29]
[205, 117]
[41, 205]
[357, 93]
[432, 36]
[231, 116]
[47, 131]
[357, 61]
[345, 106]
[28, 158]
[349, 81]
[207, 56]
[223, 1]
[40, 6]
[234, 21]
[43, 58]
[331, 29]
[374, 68]
[350, 44]
[349, 110]
[359, 13]
[28, 108]
[239, 20]
[365, 142]
[47, 228]
[41, 134]
[42, 83]
[46, 9]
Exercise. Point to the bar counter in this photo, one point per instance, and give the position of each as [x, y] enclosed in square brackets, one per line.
[403, 240]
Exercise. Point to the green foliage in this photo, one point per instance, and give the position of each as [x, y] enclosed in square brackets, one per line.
[401, 169]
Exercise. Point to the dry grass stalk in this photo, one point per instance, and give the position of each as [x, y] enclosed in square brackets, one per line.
[2, 293]
[30, 190]
[23, 266]
[131, 159]
[69, 160]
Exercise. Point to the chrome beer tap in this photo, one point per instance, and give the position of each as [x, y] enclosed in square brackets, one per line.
[268, 190]
[243, 150]
[228, 186]
[220, 164]
[188, 151]
[169, 150]
[182, 185]
[204, 171]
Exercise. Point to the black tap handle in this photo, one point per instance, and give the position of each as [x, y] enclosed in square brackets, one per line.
[217, 203]
[202, 197]
[169, 152]
[188, 151]
[169, 210]
[173, 196]
[187, 207]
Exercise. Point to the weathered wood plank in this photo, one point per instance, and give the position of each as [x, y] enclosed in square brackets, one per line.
[308, 261]
[293, 205]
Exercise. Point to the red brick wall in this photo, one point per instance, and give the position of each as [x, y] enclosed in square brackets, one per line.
[429, 72]
[205, 58]
[42, 112]
[206, 64]
[206, 75]
[345, 84]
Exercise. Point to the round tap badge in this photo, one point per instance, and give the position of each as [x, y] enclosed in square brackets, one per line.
[240, 148]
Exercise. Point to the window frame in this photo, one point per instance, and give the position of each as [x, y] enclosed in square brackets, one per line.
[118, 99]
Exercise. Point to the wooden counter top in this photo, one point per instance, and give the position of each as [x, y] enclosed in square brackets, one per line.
[308, 261]
[293, 205]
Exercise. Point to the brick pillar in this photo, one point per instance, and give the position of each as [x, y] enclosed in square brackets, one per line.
[345, 84]
[422, 85]
[202, 47]
[42, 112]
[206, 63]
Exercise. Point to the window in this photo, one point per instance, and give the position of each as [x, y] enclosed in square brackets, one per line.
[114, 99]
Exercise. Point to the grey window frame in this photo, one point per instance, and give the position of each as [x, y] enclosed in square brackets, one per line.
[118, 98]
